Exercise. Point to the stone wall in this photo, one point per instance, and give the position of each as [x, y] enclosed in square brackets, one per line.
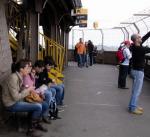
[5, 51]
[107, 57]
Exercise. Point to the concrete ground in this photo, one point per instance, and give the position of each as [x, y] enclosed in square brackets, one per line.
[96, 107]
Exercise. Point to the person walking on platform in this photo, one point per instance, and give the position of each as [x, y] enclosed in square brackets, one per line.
[90, 48]
[80, 51]
[137, 71]
[75, 55]
[95, 53]
[124, 65]
[86, 54]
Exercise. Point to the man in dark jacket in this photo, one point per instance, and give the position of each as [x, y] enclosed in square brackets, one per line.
[90, 49]
[137, 72]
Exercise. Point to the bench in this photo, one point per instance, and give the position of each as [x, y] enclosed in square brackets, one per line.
[7, 116]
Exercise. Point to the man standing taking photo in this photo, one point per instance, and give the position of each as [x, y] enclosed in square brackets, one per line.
[137, 71]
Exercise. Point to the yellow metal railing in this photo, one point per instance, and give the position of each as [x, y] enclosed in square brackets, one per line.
[49, 47]
[13, 43]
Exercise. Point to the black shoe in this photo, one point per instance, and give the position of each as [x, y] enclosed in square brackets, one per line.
[46, 120]
[41, 128]
[58, 117]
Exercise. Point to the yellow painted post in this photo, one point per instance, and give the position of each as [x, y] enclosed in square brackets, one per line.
[63, 56]
[60, 58]
[51, 49]
[56, 54]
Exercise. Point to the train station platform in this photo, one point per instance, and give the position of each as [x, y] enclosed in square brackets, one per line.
[95, 107]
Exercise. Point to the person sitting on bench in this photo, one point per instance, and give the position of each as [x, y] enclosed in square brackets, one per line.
[13, 98]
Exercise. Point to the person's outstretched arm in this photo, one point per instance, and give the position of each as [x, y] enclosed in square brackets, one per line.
[145, 37]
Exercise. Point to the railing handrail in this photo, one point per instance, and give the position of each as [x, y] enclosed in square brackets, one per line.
[54, 49]
[51, 40]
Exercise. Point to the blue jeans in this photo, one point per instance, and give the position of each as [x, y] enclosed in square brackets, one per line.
[80, 60]
[59, 93]
[138, 77]
[53, 93]
[53, 90]
[87, 59]
[63, 93]
[48, 96]
[36, 109]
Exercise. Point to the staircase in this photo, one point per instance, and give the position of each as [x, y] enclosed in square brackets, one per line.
[16, 18]
[49, 47]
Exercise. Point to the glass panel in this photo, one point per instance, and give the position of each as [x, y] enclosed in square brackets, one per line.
[147, 21]
[134, 30]
[95, 36]
[130, 31]
[74, 37]
[143, 29]
[112, 39]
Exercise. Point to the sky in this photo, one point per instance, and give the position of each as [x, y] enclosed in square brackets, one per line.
[110, 13]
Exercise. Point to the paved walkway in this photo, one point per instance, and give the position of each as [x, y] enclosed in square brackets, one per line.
[97, 108]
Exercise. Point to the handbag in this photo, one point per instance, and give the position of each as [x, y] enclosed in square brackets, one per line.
[33, 98]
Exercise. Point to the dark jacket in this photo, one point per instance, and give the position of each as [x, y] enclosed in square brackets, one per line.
[42, 78]
[90, 47]
[138, 57]
[138, 54]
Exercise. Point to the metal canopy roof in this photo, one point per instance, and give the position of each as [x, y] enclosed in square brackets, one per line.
[138, 17]
[135, 22]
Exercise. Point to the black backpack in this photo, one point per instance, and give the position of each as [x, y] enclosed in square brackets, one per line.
[53, 110]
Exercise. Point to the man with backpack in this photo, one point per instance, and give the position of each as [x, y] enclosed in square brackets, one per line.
[123, 56]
